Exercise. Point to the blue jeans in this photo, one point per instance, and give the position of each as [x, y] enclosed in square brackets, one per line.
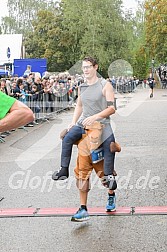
[75, 134]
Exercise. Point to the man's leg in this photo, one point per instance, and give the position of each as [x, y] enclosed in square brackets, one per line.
[109, 157]
[73, 135]
[82, 172]
[82, 213]
[111, 185]
[83, 198]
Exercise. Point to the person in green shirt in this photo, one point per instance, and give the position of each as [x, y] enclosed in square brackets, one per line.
[13, 113]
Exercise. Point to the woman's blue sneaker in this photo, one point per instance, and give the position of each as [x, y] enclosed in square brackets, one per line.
[111, 204]
[81, 215]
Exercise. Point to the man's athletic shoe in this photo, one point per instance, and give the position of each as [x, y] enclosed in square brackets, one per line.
[62, 174]
[81, 215]
[111, 204]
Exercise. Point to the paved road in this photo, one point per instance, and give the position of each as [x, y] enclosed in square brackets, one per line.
[29, 158]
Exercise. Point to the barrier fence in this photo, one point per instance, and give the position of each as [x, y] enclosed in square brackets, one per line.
[45, 104]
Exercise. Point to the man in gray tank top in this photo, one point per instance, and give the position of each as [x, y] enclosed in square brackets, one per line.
[95, 103]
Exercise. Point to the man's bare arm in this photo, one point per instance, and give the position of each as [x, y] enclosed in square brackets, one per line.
[109, 94]
[18, 115]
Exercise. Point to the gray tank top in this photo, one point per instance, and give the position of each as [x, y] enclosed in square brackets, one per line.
[93, 100]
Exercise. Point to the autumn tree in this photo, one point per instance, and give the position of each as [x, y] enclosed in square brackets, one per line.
[156, 28]
[139, 50]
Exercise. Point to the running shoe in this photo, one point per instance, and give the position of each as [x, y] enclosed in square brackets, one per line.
[111, 204]
[81, 215]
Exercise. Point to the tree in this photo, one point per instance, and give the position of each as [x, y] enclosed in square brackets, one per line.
[156, 29]
[44, 40]
[21, 14]
[140, 51]
[9, 25]
[95, 28]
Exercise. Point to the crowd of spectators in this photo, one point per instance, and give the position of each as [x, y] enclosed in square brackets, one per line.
[162, 72]
[53, 93]
[43, 95]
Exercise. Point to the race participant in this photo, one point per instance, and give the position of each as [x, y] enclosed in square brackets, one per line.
[151, 83]
[95, 103]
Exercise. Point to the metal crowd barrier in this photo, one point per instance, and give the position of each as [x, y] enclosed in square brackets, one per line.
[47, 104]
[44, 106]
[164, 84]
[126, 87]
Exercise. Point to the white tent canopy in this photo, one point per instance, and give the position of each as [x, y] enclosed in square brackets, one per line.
[14, 43]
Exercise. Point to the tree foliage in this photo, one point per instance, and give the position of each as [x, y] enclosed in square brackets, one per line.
[44, 41]
[139, 51]
[80, 28]
[95, 28]
[156, 28]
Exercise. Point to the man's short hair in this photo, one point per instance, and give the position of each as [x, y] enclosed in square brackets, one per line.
[91, 59]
